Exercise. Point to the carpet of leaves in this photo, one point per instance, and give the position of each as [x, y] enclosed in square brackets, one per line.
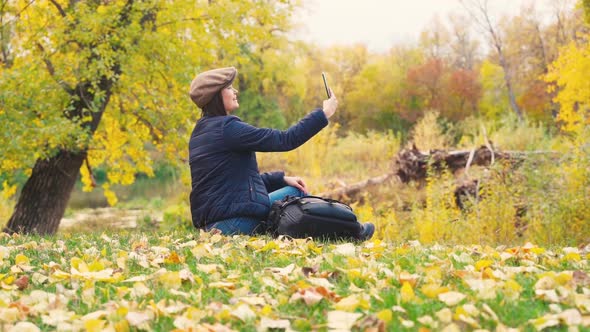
[208, 282]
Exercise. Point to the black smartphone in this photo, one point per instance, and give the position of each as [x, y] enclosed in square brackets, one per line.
[326, 85]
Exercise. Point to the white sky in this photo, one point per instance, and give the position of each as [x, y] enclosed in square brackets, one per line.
[382, 23]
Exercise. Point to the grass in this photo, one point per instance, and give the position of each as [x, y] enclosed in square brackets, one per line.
[183, 279]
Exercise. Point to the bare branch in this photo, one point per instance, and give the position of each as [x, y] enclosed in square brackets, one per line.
[51, 70]
[59, 8]
[200, 18]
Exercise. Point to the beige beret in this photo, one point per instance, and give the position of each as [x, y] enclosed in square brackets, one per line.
[208, 83]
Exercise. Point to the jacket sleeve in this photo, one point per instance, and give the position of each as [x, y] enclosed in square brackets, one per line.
[239, 135]
[273, 180]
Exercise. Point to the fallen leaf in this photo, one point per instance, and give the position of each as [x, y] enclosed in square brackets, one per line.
[244, 313]
[22, 282]
[445, 315]
[406, 292]
[370, 323]
[24, 327]
[451, 298]
[342, 320]
[351, 303]
[209, 268]
[405, 276]
[138, 318]
[345, 249]
[310, 296]
[267, 324]
[223, 285]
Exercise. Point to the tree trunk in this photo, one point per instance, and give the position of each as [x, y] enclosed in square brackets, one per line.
[508, 81]
[45, 195]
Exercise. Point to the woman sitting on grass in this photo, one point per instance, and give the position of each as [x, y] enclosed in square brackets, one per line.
[228, 192]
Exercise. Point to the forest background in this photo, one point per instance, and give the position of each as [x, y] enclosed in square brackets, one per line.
[99, 89]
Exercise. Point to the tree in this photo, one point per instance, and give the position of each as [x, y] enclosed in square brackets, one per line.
[478, 9]
[426, 82]
[378, 98]
[464, 47]
[569, 74]
[465, 92]
[89, 83]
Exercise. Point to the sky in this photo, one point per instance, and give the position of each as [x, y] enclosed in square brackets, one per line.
[380, 24]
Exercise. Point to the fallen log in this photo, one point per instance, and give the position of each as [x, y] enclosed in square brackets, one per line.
[412, 164]
[352, 190]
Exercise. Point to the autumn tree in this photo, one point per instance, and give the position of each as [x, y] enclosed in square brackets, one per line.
[378, 98]
[426, 82]
[464, 47]
[98, 83]
[479, 11]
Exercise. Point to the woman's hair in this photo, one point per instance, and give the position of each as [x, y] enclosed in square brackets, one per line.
[215, 106]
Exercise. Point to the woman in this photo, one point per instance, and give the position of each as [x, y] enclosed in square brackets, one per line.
[228, 192]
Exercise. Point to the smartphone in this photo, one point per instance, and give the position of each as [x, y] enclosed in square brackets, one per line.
[326, 85]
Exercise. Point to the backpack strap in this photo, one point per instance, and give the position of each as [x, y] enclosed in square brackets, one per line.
[329, 200]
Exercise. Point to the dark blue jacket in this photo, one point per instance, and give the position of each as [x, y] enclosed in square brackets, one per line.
[226, 182]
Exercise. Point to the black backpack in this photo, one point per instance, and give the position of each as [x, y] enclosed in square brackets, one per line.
[313, 216]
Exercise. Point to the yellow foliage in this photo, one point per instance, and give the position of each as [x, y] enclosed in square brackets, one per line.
[8, 190]
[428, 134]
[437, 220]
[570, 74]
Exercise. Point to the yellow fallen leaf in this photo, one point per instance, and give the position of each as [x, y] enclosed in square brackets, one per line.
[512, 289]
[94, 325]
[96, 265]
[351, 303]
[410, 278]
[544, 322]
[385, 315]
[572, 256]
[170, 279]
[480, 265]
[271, 245]
[432, 290]
[407, 292]
[121, 326]
[21, 259]
[563, 277]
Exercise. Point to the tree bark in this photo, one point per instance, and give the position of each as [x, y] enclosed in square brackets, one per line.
[45, 195]
[352, 190]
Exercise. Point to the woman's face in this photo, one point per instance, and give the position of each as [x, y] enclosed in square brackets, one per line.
[229, 96]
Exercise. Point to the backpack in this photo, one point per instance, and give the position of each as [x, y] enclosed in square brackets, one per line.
[312, 216]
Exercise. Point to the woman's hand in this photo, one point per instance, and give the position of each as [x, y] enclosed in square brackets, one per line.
[330, 105]
[297, 182]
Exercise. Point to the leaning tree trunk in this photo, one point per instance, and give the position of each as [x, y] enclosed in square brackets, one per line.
[45, 195]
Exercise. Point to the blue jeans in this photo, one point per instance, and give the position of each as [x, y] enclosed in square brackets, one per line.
[250, 226]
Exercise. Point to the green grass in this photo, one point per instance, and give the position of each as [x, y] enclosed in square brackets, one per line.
[193, 279]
